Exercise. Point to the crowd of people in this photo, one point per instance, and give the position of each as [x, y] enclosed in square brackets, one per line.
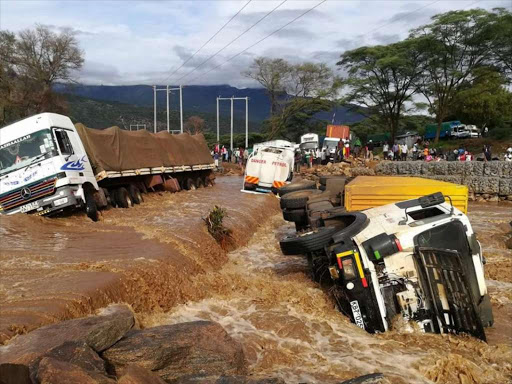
[237, 156]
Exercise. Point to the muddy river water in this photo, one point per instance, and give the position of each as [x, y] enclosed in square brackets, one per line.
[288, 326]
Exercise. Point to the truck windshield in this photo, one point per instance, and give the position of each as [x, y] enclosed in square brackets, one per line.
[21, 152]
[330, 144]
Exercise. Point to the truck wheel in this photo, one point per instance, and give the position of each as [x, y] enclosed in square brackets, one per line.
[90, 207]
[199, 183]
[298, 199]
[297, 186]
[354, 223]
[295, 215]
[189, 184]
[122, 198]
[299, 244]
[135, 194]
[108, 197]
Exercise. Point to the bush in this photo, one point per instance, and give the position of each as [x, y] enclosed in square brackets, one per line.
[214, 223]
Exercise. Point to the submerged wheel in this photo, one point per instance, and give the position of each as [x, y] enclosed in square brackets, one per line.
[135, 194]
[199, 183]
[91, 209]
[314, 240]
[189, 184]
[122, 198]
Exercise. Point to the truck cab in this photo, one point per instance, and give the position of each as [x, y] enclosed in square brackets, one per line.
[417, 259]
[329, 147]
[43, 166]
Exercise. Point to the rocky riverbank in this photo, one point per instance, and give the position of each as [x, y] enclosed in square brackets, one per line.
[110, 347]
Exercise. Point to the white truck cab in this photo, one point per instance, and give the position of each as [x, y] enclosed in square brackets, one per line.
[269, 167]
[43, 166]
[329, 147]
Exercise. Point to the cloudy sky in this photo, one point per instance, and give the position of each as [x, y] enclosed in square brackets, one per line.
[144, 42]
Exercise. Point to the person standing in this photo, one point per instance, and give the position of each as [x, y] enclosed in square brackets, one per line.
[487, 153]
[347, 148]
[404, 152]
[216, 159]
[370, 147]
[415, 151]
[395, 151]
[357, 147]
[385, 149]
[246, 156]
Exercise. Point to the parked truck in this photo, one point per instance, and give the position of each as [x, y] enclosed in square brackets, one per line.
[47, 165]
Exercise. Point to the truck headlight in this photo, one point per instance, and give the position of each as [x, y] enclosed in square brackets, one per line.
[58, 202]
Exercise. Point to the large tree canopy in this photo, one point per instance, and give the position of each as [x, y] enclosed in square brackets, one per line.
[30, 63]
[454, 46]
[382, 78]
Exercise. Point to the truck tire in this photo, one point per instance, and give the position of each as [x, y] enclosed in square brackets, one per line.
[357, 222]
[297, 186]
[319, 206]
[298, 199]
[135, 194]
[323, 179]
[207, 181]
[189, 184]
[314, 240]
[122, 198]
[109, 198]
[91, 209]
[295, 215]
[199, 183]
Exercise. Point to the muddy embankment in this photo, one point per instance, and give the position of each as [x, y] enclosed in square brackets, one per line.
[54, 269]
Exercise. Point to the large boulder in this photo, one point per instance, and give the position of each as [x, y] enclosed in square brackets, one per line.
[216, 379]
[174, 351]
[53, 371]
[98, 332]
[134, 374]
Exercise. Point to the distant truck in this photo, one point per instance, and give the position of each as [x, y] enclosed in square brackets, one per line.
[338, 131]
[330, 147]
[452, 130]
[309, 142]
[47, 165]
[269, 167]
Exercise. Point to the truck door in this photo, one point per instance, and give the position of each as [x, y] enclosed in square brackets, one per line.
[74, 159]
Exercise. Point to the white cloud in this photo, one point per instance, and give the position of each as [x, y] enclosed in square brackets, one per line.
[133, 42]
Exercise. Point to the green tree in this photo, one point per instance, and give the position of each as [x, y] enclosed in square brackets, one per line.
[454, 46]
[273, 75]
[296, 118]
[382, 78]
[30, 63]
[485, 101]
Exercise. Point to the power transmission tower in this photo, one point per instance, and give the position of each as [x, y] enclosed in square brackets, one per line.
[232, 98]
[167, 91]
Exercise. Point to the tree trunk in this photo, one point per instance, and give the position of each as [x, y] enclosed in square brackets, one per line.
[438, 130]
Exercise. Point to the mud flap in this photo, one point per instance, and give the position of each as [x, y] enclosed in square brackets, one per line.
[447, 288]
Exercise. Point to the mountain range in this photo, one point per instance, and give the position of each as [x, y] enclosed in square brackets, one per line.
[197, 99]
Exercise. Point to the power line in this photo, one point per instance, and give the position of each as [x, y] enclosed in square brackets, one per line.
[232, 41]
[259, 41]
[210, 39]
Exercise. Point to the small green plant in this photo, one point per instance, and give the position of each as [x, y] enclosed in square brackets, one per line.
[216, 228]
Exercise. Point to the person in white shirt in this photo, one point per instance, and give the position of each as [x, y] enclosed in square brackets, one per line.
[385, 150]
[508, 155]
[404, 152]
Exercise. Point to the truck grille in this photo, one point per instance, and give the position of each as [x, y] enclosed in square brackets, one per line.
[27, 194]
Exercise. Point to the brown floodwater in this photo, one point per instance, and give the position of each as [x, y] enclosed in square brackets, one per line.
[53, 269]
[290, 328]
[159, 258]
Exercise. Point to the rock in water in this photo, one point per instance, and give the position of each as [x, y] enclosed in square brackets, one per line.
[53, 371]
[80, 354]
[98, 332]
[174, 351]
[133, 374]
[229, 380]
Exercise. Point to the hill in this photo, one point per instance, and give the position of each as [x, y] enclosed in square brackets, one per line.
[103, 114]
[197, 100]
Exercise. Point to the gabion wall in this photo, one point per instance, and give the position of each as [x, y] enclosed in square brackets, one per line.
[493, 177]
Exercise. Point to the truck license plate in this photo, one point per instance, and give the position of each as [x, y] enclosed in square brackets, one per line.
[357, 314]
[29, 207]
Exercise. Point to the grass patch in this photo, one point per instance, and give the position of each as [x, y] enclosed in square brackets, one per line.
[215, 225]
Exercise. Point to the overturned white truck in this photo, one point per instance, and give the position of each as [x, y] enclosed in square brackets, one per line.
[269, 167]
[48, 165]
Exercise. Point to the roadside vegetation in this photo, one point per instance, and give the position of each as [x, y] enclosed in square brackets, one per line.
[458, 67]
[215, 224]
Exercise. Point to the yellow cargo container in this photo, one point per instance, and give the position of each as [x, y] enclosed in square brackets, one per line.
[373, 191]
